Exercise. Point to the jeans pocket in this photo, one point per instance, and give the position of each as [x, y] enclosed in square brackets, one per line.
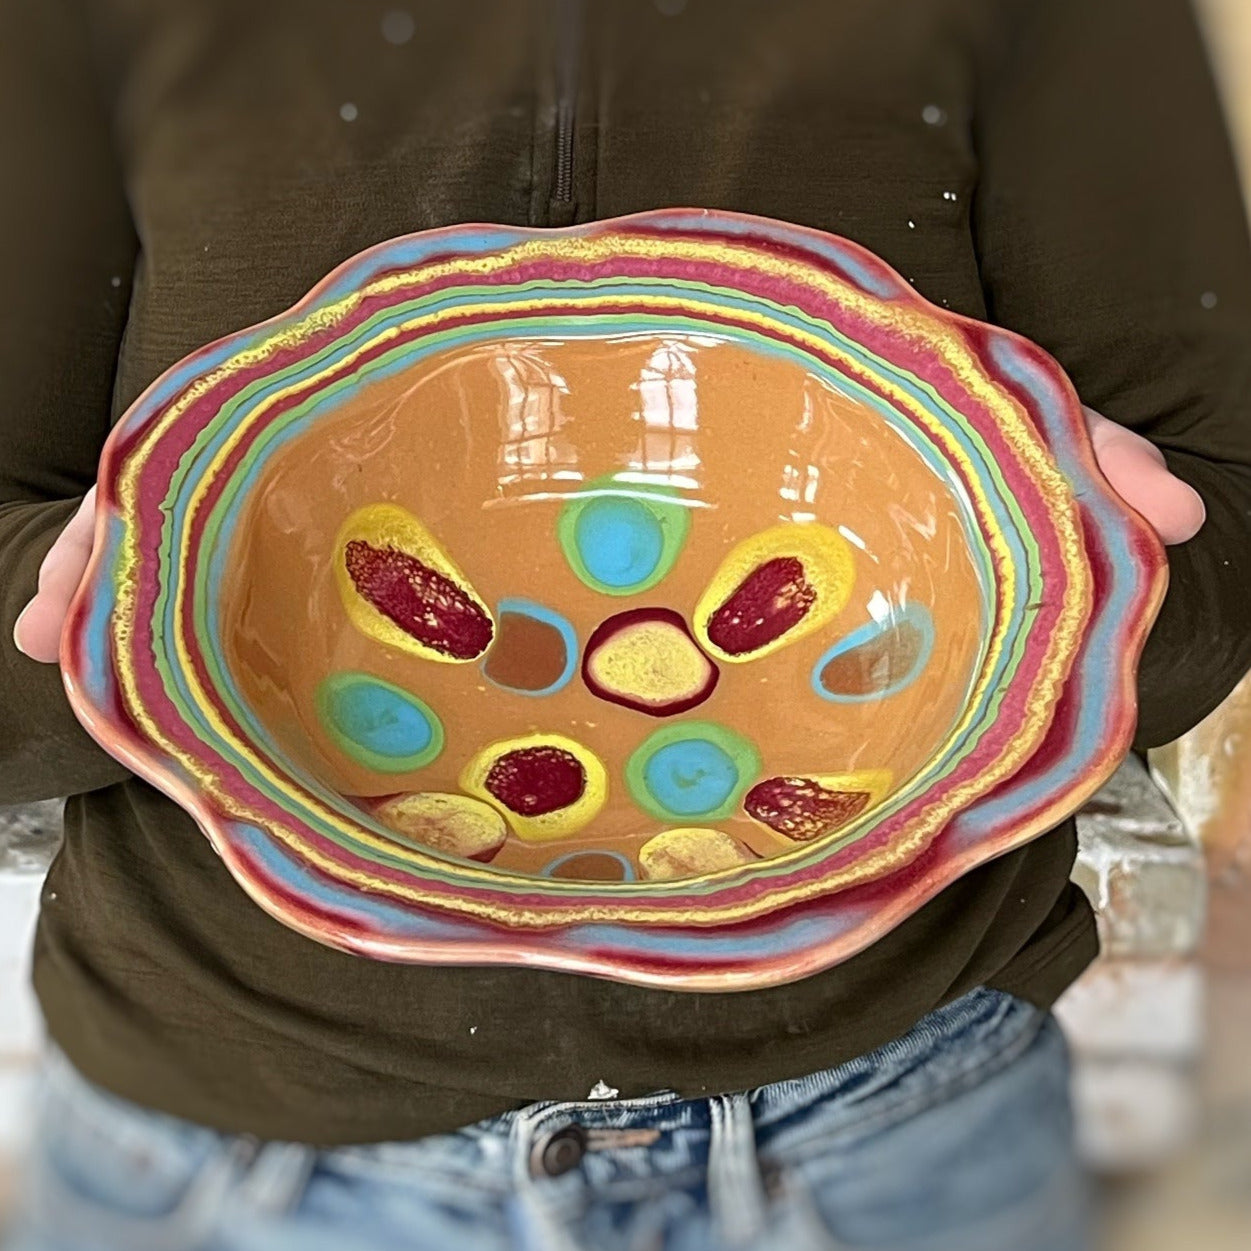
[981, 1159]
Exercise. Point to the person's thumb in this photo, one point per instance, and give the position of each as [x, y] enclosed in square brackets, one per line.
[37, 632]
[1138, 474]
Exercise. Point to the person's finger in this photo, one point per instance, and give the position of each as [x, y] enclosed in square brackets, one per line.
[38, 629]
[1137, 471]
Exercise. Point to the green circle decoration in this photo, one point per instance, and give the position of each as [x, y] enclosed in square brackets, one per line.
[378, 724]
[692, 770]
[620, 537]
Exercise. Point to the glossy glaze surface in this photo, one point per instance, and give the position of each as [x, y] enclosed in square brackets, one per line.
[489, 447]
[294, 619]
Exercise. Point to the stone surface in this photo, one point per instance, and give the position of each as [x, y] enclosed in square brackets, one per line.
[1133, 1114]
[1150, 898]
[1141, 868]
[1136, 1009]
[1136, 1019]
[1131, 804]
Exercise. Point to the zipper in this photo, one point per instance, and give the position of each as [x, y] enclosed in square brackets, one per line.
[568, 53]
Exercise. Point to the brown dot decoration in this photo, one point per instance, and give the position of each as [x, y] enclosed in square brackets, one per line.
[591, 866]
[875, 665]
[535, 649]
[876, 660]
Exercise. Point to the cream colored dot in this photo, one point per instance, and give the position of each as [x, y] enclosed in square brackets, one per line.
[348, 111]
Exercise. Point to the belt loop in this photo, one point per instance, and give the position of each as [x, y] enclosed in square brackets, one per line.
[736, 1194]
[277, 1179]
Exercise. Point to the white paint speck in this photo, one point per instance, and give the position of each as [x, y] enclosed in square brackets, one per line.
[398, 26]
[950, 196]
[1208, 299]
[473, 1029]
[348, 111]
[932, 115]
[602, 1090]
[52, 896]
[911, 224]
[115, 281]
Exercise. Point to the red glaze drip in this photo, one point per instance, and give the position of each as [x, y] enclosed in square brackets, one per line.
[420, 600]
[771, 600]
[532, 781]
[801, 808]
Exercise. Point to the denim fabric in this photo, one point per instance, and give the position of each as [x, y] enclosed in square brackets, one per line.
[956, 1135]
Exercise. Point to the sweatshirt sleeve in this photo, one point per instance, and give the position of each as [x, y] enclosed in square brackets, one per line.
[1110, 229]
[67, 253]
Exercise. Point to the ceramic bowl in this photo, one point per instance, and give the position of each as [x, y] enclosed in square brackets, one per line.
[679, 598]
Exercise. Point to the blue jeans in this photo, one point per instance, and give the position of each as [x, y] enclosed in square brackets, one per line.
[957, 1135]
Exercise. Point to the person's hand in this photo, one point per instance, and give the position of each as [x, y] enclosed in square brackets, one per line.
[38, 629]
[1136, 469]
[1133, 466]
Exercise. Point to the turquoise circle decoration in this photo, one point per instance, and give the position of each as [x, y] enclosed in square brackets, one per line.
[620, 537]
[619, 540]
[691, 778]
[378, 724]
[693, 769]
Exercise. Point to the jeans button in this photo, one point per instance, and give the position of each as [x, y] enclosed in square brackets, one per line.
[560, 1151]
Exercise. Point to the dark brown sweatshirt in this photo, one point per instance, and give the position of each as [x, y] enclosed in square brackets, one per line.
[177, 169]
